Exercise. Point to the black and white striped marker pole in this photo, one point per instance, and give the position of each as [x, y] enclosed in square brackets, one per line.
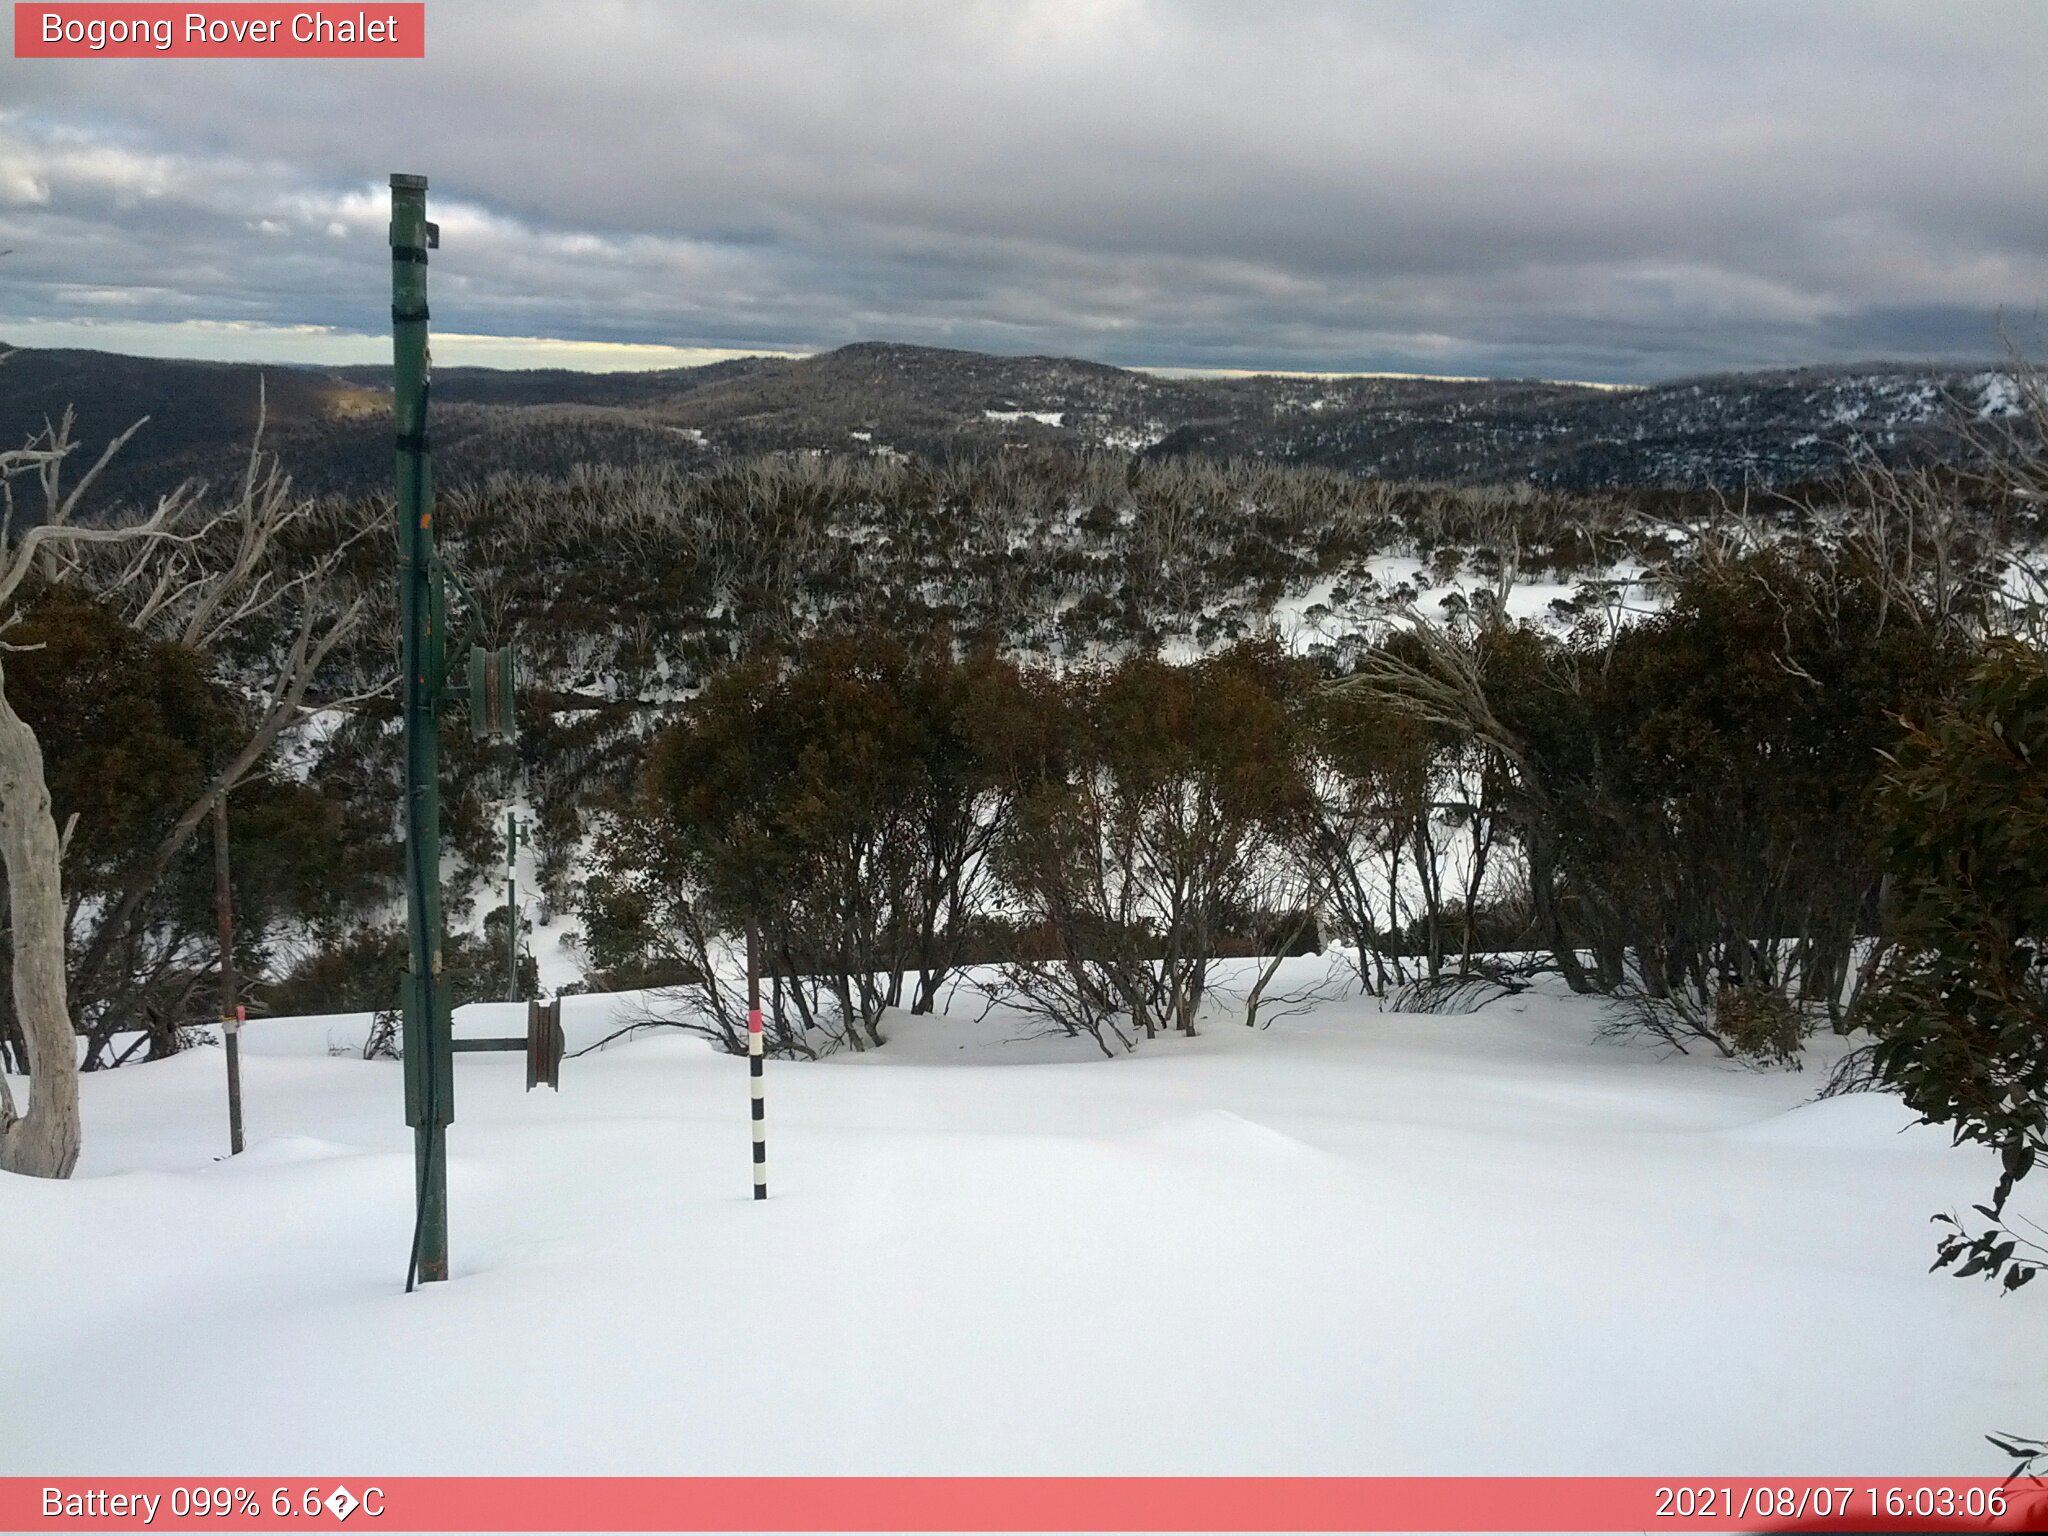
[756, 1055]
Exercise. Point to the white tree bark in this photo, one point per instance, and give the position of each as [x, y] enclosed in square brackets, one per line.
[171, 575]
[43, 1142]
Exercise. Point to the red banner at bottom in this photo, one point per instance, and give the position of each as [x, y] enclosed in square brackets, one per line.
[375, 1504]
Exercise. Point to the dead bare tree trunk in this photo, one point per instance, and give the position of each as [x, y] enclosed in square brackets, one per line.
[163, 566]
[44, 1141]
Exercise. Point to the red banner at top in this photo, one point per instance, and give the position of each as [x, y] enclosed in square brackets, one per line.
[236, 31]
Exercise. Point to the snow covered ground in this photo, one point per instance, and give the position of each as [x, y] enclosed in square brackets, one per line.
[1356, 1242]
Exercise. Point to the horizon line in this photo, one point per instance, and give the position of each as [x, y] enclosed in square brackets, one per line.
[244, 342]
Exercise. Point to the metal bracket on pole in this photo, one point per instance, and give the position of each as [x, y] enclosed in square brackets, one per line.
[544, 1043]
[493, 715]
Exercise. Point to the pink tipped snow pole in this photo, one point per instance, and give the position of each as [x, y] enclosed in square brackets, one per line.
[756, 1053]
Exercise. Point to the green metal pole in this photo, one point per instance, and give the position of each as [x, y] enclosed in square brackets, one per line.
[429, 1059]
[511, 907]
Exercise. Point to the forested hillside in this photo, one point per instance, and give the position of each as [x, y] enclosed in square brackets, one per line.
[1145, 618]
[332, 425]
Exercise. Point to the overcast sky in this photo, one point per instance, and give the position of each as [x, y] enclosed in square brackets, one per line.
[1622, 191]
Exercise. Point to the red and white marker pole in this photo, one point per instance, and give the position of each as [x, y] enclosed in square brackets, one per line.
[756, 1057]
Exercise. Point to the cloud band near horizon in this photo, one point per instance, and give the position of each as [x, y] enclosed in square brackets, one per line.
[1569, 190]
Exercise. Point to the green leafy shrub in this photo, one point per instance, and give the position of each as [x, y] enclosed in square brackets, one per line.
[362, 973]
[1962, 1009]
[1760, 1023]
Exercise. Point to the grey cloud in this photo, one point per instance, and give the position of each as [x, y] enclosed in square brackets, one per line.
[1605, 190]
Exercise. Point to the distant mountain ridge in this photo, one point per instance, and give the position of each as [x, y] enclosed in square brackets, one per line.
[331, 424]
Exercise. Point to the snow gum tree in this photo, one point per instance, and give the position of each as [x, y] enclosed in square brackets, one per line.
[836, 805]
[1961, 1011]
[1147, 828]
[1694, 793]
[1367, 770]
[42, 1139]
[194, 582]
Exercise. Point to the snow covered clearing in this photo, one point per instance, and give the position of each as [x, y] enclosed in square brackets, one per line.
[1355, 1242]
[1043, 418]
